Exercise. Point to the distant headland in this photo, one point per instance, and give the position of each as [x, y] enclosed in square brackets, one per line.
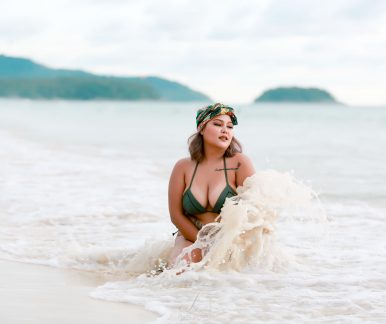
[296, 95]
[23, 78]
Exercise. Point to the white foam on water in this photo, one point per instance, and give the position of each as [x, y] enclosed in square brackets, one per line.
[245, 275]
[308, 268]
[340, 279]
[84, 185]
[70, 208]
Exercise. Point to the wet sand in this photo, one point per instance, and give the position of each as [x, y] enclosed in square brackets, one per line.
[40, 294]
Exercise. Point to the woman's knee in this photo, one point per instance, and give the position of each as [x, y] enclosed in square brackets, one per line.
[179, 244]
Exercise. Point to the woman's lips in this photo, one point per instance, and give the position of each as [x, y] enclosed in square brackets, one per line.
[223, 138]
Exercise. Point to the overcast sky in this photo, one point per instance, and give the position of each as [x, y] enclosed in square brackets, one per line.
[230, 50]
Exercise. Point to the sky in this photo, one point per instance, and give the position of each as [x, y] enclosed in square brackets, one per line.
[230, 50]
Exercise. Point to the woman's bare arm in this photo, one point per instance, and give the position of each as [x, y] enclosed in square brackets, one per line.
[245, 170]
[176, 189]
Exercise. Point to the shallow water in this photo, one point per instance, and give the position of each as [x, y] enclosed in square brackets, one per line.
[84, 185]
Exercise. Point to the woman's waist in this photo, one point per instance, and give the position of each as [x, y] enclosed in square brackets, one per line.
[204, 218]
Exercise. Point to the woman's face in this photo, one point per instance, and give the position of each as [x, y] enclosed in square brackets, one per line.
[218, 131]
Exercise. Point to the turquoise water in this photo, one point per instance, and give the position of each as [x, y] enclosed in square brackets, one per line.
[338, 148]
[86, 182]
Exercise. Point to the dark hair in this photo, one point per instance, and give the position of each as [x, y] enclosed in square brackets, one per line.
[196, 147]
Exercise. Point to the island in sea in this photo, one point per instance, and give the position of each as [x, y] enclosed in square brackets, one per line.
[23, 78]
[296, 95]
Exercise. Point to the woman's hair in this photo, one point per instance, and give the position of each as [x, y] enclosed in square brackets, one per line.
[196, 147]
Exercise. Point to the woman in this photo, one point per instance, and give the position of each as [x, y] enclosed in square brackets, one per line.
[199, 184]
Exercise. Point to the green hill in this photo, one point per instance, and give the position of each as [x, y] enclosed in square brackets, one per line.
[296, 94]
[20, 77]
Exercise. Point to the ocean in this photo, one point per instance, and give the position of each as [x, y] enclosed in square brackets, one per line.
[83, 185]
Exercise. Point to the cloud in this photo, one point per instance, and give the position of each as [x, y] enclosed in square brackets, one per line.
[230, 50]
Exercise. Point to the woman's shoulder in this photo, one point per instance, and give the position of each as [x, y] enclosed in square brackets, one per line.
[241, 159]
[183, 164]
[244, 168]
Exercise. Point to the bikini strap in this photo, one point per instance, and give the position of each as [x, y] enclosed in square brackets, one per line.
[194, 173]
[225, 170]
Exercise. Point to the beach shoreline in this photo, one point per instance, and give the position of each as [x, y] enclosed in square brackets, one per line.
[40, 294]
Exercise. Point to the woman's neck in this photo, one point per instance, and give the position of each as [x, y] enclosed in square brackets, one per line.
[213, 154]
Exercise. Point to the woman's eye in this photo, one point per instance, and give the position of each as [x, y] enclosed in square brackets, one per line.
[217, 124]
[230, 127]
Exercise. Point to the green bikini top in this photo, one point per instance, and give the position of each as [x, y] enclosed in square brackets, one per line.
[192, 207]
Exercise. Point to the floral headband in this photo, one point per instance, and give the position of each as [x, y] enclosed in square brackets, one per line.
[207, 113]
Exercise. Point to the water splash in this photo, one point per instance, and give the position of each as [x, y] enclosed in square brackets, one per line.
[245, 236]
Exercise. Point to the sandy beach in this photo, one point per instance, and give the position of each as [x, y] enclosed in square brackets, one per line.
[39, 294]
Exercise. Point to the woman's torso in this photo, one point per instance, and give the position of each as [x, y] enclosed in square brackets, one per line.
[208, 185]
